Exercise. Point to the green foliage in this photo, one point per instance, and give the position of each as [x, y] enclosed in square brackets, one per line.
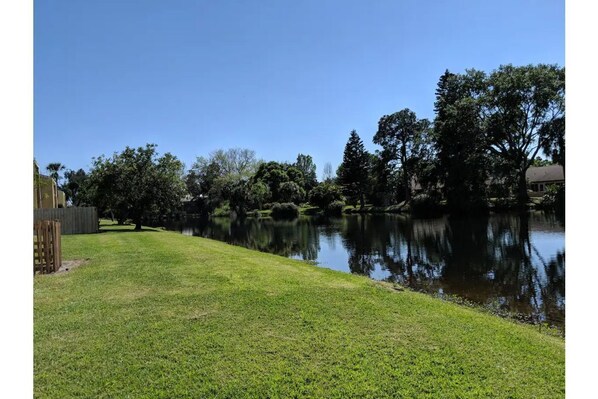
[335, 208]
[324, 194]
[74, 187]
[554, 145]
[259, 194]
[137, 183]
[461, 141]
[524, 108]
[201, 178]
[236, 162]
[385, 179]
[554, 199]
[285, 210]
[213, 180]
[274, 174]
[426, 205]
[404, 140]
[538, 162]
[291, 192]
[307, 167]
[54, 169]
[353, 173]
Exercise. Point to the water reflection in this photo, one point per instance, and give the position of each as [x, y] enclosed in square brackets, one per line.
[514, 263]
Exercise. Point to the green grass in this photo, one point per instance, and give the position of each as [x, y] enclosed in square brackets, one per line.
[156, 314]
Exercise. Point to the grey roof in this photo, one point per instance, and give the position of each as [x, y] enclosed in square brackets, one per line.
[545, 173]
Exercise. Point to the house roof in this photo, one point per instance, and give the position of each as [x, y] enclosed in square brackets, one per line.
[545, 173]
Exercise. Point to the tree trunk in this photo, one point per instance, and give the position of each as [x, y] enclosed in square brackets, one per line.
[407, 188]
[361, 200]
[137, 224]
[522, 197]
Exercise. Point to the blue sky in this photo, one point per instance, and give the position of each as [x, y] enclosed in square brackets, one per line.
[278, 77]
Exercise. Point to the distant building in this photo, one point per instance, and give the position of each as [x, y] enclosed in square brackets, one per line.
[539, 178]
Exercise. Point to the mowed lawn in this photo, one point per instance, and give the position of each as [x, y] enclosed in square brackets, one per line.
[156, 314]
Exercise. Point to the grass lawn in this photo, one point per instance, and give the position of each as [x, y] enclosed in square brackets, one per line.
[156, 314]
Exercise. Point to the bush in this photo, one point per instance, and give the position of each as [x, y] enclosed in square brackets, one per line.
[286, 210]
[425, 205]
[325, 194]
[554, 199]
[335, 208]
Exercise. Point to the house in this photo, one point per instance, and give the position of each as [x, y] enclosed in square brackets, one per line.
[45, 191]
[540, 178]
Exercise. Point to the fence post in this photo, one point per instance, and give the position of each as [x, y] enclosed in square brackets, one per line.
[47, 250]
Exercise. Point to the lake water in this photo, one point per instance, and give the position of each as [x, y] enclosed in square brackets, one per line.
[506, 262]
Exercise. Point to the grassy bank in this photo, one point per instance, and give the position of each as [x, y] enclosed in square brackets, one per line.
[158, 314]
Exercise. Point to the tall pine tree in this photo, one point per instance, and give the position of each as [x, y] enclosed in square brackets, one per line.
[353, 173]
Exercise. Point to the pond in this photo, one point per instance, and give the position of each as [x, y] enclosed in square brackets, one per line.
[512, 264]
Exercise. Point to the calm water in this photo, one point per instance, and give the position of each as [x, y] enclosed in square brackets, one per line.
[506, 262]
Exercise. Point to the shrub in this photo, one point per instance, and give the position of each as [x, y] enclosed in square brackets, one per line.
[554, 199]
[325, 194]
[335, 208]
[425, 205]
[286, 210]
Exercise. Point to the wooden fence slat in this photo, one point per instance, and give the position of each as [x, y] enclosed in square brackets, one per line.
[47, 246]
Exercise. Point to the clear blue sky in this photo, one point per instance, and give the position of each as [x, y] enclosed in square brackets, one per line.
[278, 77]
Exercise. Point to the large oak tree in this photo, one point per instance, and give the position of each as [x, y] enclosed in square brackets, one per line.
[524, 111]
[137, 182]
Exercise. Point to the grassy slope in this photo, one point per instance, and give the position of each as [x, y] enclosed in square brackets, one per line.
[158, 314]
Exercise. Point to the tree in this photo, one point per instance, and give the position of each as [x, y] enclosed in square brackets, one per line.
[525, 111]
[201, 177]
[325, 194]
[541, 162]
[402, 134]
[239, 162]
[384, 179]
[74, 186]
[211, 180]
[291, 192]
[554, 145]
[55, 168]
[136, 183]
[259, 193]
[274, 174]
[327, 174]
[460, 141]
[295, 175]
[238, 197]
[307, 166]
[353, 173]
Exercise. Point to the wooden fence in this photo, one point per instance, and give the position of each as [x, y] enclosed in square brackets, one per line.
[47, 255]
[74, 220]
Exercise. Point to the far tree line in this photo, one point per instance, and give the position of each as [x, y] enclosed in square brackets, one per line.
[489, 128]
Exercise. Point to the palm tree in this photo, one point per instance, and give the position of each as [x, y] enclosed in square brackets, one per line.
[54, 169]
